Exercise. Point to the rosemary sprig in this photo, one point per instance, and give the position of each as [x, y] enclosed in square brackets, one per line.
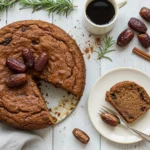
[106, 43]
[6, 3]
[59, 6]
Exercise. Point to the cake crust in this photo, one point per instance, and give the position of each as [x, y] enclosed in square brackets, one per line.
[23, 107]
[129, 99]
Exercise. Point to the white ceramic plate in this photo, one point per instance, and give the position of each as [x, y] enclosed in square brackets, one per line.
[59, 102]
[117, 134]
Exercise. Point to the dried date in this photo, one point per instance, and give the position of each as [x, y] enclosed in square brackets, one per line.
[28, 58]
[137, 25]
[16, 65]
[110, 119]
[81, 136]
[143, 108]
[113, 96]
[145, 13]
[24, 28]
[41, 62]
[35, 42]
[144, 39]
[16, 80]
[6, 42]
[125, 37]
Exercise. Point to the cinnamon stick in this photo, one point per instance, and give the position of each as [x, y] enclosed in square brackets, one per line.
[141, 53]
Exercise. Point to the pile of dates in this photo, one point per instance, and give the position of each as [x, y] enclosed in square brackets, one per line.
[137, 25]
[20, 68]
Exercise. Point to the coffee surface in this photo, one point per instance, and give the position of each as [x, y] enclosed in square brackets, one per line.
[100, 12]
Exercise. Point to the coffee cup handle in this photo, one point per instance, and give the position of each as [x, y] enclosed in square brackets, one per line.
[121, 3]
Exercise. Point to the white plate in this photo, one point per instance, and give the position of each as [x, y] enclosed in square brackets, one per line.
[118, 134]
[59, 102]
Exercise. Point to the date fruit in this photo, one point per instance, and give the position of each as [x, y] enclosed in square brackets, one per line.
[41, 62]
[125, 37]
[110, 119]
[6, 41]
[81, 136]
[145, 13]
[16, 65]
[28, 58]
[137, 25]
[144, 39]
[16, 80]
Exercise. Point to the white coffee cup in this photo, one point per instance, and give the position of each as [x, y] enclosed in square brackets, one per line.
[102, 29]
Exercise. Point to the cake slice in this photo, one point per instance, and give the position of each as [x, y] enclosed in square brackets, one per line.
[129, 99]
[23, 107]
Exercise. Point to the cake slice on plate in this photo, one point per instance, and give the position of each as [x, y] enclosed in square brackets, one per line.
[129, 99]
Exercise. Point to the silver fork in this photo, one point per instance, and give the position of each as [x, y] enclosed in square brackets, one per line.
[105, 109]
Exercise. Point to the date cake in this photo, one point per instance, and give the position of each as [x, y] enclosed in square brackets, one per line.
[23, 106]
[129, 99]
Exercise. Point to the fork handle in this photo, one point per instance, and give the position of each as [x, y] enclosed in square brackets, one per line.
[144, 136]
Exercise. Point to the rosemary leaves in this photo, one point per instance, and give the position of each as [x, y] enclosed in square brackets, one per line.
[61, 7]
[6, 3]
[106, 43]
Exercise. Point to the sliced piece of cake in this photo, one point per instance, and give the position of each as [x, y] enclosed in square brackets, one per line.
[23, 107]
[129, 99]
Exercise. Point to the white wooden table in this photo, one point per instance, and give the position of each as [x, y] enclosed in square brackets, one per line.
[60, 137]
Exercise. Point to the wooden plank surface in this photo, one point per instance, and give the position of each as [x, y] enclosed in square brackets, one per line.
[123, 57]
[60, 137]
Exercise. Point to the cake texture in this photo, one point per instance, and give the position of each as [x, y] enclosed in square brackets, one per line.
[129, 99]
[23, 107]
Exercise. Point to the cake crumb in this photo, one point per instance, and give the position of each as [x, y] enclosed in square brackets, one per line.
[97, 40]
[91, 46]
[89, 56]
[86, 50]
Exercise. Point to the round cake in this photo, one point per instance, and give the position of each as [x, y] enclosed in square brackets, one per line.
[23, 106]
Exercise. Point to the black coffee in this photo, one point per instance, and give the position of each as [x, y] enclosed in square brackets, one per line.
[100, 12]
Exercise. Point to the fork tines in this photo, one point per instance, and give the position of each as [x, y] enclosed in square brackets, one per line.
[109, 110]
